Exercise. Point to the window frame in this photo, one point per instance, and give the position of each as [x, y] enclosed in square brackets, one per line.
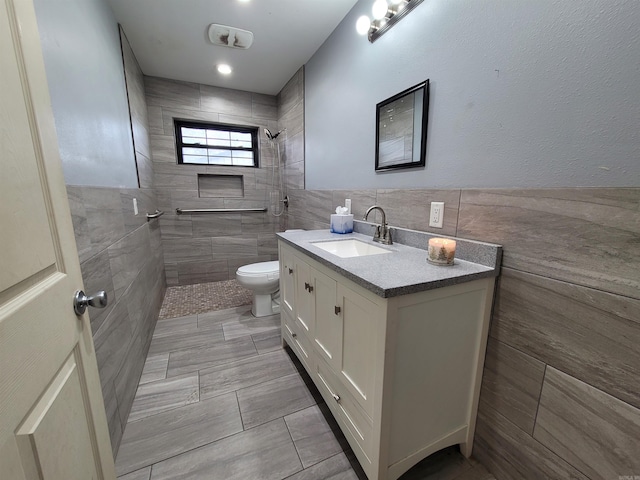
[225, 127]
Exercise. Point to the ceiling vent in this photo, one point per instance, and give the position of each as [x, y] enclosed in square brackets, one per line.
[226, 36]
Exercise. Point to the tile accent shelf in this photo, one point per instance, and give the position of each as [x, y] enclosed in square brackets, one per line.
[395, 345]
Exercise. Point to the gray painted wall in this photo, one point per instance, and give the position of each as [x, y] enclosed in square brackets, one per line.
[523, 94]
[83, 61]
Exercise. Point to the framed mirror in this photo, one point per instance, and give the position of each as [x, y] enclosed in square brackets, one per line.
[401, 129]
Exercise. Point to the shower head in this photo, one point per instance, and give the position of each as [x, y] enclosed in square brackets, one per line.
[270, 135]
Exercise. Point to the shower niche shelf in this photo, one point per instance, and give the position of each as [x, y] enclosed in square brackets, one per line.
[220, 186]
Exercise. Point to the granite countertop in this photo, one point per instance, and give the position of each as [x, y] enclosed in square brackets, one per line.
[401, 272]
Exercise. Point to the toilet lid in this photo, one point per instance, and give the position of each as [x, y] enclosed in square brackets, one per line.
[261, 268]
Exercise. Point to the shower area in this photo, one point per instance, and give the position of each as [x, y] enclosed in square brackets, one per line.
[210, 247]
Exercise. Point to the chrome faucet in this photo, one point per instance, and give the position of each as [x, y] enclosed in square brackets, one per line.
[383, 232]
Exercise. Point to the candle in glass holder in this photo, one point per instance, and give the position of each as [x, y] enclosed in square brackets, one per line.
[441, 251]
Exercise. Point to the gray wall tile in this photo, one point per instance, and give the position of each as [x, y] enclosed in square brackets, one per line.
[177, 185]
[411, 208]
[105, 221]
[202, 272]
[163, 149]
[171, 93]
[124, 258]
[511, 384]
[215, 224]
[234, 247]
[187, 249]
[154, 114]
[169, 115]
[585, 236]
[127, 379]
[127, 256]
[112, 342]
[509, 453]
[361, 200]
[596, 433]
[96, 273]
[225, 101]
[591, 335]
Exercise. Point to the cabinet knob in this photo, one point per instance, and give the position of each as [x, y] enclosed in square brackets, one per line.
[294, 335]
[336, 397]
[290, 270]
[308, 287]
[337, 310]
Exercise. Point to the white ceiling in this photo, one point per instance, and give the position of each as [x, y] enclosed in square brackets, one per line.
[169, 38]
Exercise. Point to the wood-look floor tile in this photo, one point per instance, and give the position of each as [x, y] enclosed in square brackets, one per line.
[218, 353]
[595, 432]
[216, 318]
[268, 341]
[247, 324]
[186, 340]
[312, 436]
[262, 453]
[156, 397]
[174, 326]
[143, 474]
[334, 468]
[244, 373]
[171, 433]
[276, 398]
[155, 368]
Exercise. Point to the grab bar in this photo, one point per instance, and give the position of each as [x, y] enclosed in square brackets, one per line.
[156, 214]
[180, 211]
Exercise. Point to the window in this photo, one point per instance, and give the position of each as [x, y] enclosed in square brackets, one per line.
[203, 143]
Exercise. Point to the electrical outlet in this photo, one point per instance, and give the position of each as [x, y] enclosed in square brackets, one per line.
[135, 206]
[436, 218]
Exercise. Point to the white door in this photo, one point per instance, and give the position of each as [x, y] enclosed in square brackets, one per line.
[52, 420]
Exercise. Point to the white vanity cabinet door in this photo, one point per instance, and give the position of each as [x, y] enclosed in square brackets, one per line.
[287, 282]
[304, 296]
[362, 325]
[328, 325]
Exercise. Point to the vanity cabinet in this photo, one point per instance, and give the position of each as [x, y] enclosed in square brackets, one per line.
[401, 375]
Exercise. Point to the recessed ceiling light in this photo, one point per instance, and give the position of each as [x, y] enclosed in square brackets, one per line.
[224, 69]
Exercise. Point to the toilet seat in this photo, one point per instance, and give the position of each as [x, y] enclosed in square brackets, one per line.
[268, 270]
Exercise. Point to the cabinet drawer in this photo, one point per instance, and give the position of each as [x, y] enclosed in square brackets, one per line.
[297, 340]
[353, 420]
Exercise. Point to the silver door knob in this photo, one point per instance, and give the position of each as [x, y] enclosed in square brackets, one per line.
[80, 301]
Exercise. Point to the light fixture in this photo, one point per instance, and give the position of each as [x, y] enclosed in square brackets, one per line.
[224, 69]
[363, 24]
[386, 13]
[379, 9]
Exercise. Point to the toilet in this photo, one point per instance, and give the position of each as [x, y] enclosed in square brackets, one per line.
[264, 280]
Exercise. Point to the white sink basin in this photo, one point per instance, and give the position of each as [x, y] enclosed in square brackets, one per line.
[350, 248]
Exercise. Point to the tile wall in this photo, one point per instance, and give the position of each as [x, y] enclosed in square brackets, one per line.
[120, 253]
[291, 120]
[210, 247]
[134, 81]
[561, 393]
